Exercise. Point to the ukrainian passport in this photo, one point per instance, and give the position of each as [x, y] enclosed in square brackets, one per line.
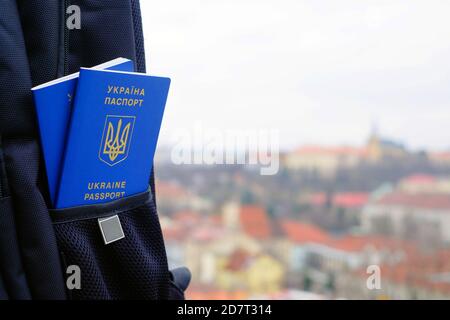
[53, 103]
[112, 136]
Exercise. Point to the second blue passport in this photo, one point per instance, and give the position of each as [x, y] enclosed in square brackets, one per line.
[112, 136]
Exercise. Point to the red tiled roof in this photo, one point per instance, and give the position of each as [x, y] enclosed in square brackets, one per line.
[238, 260]
[445, 156]
[169, 189]
[419, 179]
[427, 201]
[360, 243]
[343, 150]
[198, 294]
[351, 243]
[187, 217]
[206, 233]
[255, 222]
[215, 220]
[418, 271]
[343, 200]
[318, 199]
[174, 233]
[350, 199]
[299, 232]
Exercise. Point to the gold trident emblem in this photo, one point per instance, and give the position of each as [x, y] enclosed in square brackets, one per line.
[116, 142]
[116, 139]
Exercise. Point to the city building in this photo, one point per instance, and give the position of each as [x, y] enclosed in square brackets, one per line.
[423, 217]
[323, 160]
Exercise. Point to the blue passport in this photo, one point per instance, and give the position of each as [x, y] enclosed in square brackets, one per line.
[112, 137]
[53, 104]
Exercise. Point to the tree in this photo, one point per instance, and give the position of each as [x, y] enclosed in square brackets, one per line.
[307, 281]
[247, 197]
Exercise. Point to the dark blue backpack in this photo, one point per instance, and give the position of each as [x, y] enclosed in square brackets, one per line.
[37, 244]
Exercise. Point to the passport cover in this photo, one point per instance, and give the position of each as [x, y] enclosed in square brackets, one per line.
[112, 137]
[53, 101]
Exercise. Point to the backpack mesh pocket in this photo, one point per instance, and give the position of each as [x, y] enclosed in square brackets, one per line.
[134, 267]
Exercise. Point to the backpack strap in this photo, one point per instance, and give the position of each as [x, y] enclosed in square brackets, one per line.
[36, 240]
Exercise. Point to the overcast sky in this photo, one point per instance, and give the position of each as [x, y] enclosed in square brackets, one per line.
[320, 71]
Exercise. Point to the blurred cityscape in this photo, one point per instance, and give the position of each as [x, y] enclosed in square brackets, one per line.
[311, 231]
